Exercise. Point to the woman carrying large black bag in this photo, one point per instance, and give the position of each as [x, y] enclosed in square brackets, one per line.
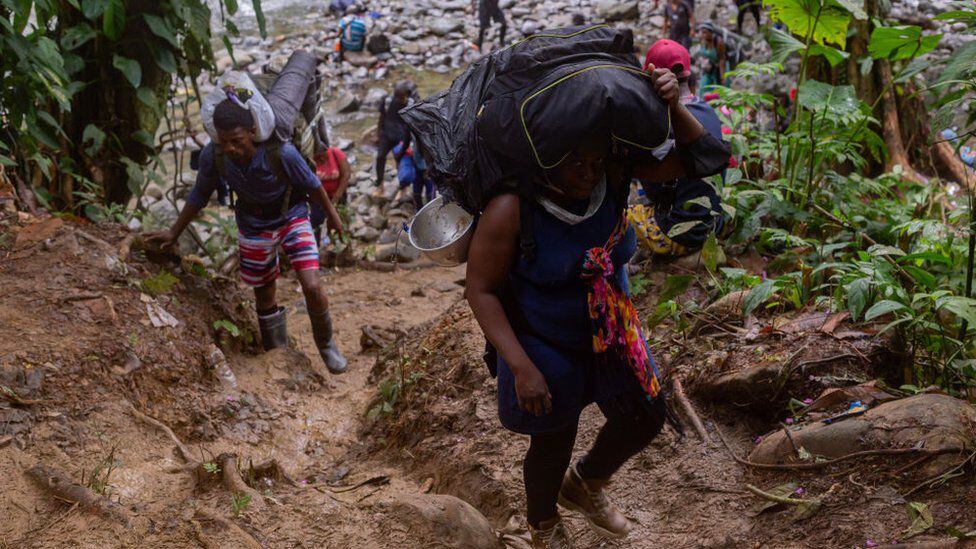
[562, 322]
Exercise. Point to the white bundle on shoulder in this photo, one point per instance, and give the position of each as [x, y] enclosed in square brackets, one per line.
[237, 86]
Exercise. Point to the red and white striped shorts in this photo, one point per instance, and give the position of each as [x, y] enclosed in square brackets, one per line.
[259, 251]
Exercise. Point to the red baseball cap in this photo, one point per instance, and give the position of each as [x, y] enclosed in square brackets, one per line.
[665, 54]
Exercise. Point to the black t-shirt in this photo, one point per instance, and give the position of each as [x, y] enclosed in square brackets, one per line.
[394, 128]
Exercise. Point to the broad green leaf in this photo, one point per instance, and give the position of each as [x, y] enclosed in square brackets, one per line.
[673, 286]
[857, 296]
[961, 64]
[901, 42]
[758, 295]
[783, 45]
[231, 6]
[7, 161]
[113, 20]
[962, 307]
[142, 136]
[679, 229]
[856, 7]
[926, 256]
[96, 136]
[77, 36]
[823, 21]
[916, 67]
[22, 13]
[961, 16]
[230, 48]
[921, 518]
[839, 102]
[833, 56]
[148, 98]
[130, 68]
[882, 308]
[711, 253]
[259, 15]
[702, 201]
[881, 249]
[945, 116]
[93, 9]
[135, 176]
[161, 28]
[921, 276]
[163, 57]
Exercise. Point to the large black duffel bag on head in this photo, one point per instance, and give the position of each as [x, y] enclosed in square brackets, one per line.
[524, 108]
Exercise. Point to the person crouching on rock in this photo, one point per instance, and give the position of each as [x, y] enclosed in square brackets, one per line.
[565, 330]
[271, 181]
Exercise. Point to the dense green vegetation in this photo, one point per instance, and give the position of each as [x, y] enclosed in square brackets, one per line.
[84, 87]
[890, 248]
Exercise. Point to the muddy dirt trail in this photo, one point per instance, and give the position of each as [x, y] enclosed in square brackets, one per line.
[117, 431]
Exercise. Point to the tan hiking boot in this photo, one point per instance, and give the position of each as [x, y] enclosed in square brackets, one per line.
[552, 534]
[590, 499]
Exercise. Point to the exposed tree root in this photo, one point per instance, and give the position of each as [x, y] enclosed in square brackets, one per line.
[180, 447]
[62, 488]
[682, 398]
[203, 514]
[828, 462]
[233, 481]
[269, 469]
[778, 499]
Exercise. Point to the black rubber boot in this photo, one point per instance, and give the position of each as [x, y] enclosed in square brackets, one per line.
[328, 350]
[274, 329]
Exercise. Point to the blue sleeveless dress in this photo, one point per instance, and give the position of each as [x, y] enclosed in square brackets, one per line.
[548, 310]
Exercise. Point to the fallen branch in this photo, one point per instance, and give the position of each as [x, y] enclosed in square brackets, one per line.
[377, 480]
[929, 481]
[15, 399]
[777, 499]
[81, 296]
[62, 488]
[180, 447]
[203, 514]
[126, 245]
[825, 463]
[233, 481]
[789, 436]
[696, 422]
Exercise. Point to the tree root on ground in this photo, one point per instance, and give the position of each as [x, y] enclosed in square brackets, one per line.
[269, 469]
[203, 514]
[825, 463]
[233, 480]
[180, 447]
[696, 422]
[227, 462]
[62, 488]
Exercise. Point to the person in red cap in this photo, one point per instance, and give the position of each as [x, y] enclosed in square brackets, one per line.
[679, 201]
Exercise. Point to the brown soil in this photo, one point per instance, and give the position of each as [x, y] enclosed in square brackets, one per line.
[78, 352]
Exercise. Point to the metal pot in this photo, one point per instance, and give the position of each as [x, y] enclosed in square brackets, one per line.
[442, 232]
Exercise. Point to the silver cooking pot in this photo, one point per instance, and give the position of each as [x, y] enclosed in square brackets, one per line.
[442, 232]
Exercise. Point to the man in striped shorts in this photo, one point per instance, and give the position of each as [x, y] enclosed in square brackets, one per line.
[273, 183]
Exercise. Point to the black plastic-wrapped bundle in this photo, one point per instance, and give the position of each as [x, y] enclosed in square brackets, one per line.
[289, 94]
[523, 108]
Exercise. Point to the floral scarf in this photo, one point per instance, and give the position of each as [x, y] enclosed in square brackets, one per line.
[616, 325]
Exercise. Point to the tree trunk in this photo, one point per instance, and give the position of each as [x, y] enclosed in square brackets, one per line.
[110, 103]
[890, 123]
